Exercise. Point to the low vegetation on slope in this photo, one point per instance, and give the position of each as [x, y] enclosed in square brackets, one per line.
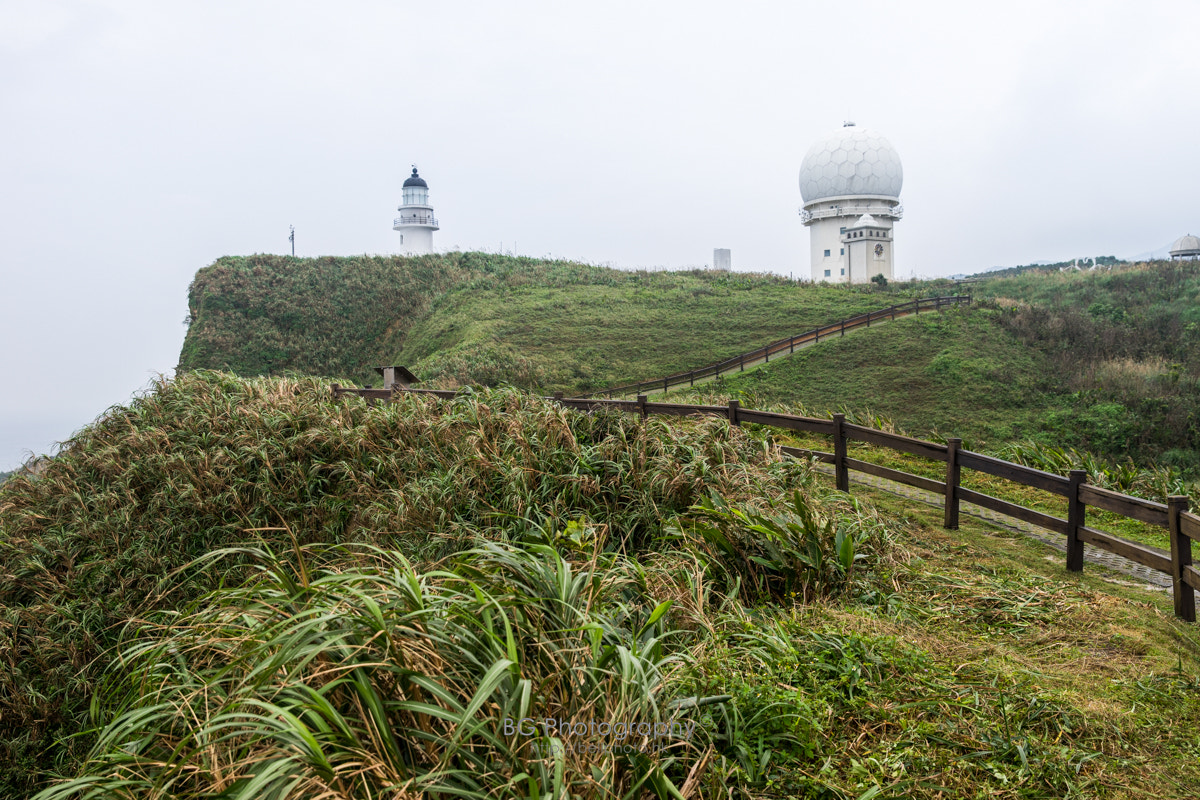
[382, 594]
[461, 318]
[1125, 343]
[624, 328]
[955, 372]
[1104, 362]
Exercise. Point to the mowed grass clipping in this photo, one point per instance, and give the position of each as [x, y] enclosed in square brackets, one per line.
[379, 587]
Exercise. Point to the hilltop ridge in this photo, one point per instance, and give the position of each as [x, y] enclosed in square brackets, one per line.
[1107, 360]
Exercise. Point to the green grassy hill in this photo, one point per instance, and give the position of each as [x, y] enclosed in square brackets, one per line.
[957, 373]
[1107, 361]
[381, 587]
[481, 318]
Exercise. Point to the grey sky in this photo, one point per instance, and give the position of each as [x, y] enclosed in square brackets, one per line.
[142, 140]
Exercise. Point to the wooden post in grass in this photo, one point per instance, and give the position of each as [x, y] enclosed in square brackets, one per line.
[953, 473]
[1181, 556]
[641, 401]
[840, 470]
[734, 405]
[1076, 514]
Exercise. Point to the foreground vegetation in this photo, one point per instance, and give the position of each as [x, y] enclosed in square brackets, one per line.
[240, 588]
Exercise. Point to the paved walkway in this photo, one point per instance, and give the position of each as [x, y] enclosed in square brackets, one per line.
[1150, 578]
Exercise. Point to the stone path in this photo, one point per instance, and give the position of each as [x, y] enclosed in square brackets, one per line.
[1149, 578]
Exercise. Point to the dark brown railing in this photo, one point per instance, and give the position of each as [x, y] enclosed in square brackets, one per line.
[739, 362]
[1182, 526]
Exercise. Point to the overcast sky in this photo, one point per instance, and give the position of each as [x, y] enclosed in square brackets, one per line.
[142, 140]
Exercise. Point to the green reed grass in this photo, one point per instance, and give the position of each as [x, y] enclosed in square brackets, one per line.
[211, 461]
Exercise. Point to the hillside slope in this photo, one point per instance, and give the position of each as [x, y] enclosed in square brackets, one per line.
[1107, 360]
[519, 544]
[463, 318]
[957, 373]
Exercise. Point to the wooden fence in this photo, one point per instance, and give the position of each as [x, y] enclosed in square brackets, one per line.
[739, 362]
[1182, 526]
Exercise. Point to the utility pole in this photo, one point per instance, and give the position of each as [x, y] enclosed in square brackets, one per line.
[292, 239]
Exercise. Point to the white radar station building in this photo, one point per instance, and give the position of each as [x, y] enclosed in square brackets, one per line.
[850, 182]
[416, 222]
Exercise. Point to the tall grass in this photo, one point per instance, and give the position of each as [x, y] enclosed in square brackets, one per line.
[211, 461]
[388, 681]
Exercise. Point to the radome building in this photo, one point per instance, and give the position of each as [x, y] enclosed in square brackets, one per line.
[850, 182]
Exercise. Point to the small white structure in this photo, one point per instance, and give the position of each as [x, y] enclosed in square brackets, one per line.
[850, 182]
[722, 259]
[868, 248]
[1186, 247]
[416, 222]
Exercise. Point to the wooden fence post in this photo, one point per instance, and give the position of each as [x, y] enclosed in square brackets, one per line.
[840, 470]
[1181, 556]
[558, 396]
[953, 473]
[641, 401]
[335, 390]
[734, 405]
[1076, 512]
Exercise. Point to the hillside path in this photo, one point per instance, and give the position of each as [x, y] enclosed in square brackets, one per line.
[782, 348]
[756, 362]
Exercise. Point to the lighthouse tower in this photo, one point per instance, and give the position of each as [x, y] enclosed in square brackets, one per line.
[416, 222]
[850, 182]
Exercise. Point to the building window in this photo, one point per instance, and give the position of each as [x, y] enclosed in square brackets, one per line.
[826, 273]
[402, 238]
[843, 230]
[843, 251]
[827, 254]
[843, 270]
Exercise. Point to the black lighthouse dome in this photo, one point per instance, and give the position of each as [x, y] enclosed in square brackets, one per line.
[416, 180]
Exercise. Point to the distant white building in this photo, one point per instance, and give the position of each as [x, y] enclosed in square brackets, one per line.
[416, 222]
[850, 182]
[1186, 247]
[722, 259]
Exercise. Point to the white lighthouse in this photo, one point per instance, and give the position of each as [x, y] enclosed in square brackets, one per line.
[850, 182]
[416, 222]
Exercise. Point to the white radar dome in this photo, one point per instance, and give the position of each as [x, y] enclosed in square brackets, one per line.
[851, 161]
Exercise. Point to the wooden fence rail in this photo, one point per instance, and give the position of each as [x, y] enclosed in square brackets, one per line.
[1182, 526]
[738, 363]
